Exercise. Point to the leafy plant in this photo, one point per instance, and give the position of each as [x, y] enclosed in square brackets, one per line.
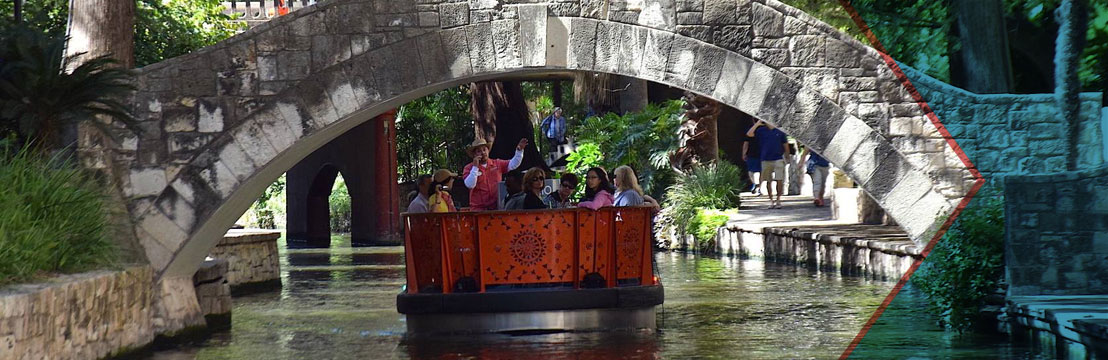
[715, 186]
[704, 225]
[268, 212]
[641, 140]
[39, 96]
[966, 265]
[52, 218]
[340, 206]
[433, 132]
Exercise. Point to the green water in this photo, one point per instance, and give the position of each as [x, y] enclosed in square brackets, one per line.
[340, 303]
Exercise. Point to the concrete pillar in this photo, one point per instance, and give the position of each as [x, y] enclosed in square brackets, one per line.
[387, 192]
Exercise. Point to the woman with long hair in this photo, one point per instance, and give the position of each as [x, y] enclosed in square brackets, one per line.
[628, 192]
[598, 192]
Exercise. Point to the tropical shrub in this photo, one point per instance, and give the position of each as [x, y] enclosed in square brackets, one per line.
[269, 211]
[966, 265]
[704, 225]
[641, 140]
[52, 218]
[715, 186]
[39, 96]
[433, 132]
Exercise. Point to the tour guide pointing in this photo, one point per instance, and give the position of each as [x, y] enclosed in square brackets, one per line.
[483, 174]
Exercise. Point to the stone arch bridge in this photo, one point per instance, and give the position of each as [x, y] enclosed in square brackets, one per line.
[224, 122]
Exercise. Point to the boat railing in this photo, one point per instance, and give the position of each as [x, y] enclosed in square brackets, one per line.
[503, 250]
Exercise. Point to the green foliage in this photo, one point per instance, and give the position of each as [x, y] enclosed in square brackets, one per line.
[704, 225]
[166, 29]
[38, 96]
[269, 211]
[714, 186]
[52, 218]
[433, 132]
[340, 206]
[966, 264]
[641, 140]
[163, 28]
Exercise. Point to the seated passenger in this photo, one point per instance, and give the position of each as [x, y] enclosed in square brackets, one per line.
[560, 199]
[628, 192]
[419, 201]
[533, 183]
[513, 185]
[440, 199]
[598, 192]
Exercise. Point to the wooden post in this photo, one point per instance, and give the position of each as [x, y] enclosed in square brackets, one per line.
[386, 192]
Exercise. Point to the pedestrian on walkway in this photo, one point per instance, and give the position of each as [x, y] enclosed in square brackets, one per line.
[483, 175]
[554, 129]
[818, 168]
[753, 159]
[773, 146]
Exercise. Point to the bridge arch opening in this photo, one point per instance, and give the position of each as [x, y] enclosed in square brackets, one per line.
[287, 87]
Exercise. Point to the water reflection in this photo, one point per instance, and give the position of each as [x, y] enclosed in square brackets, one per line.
[341, 303]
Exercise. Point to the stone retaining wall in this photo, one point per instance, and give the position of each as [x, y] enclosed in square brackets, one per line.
[875, 251]
[83, 316]
[251, 254]
[1056, 233]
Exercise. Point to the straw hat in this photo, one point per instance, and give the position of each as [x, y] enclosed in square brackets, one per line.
[476, 144]
[443, 174]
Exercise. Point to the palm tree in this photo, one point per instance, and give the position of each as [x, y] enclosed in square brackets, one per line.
[39, 97]
[698, 143]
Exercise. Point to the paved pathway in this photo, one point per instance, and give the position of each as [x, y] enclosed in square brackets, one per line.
[797, 210]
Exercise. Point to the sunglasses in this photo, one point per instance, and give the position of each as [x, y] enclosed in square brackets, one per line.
[538, 179]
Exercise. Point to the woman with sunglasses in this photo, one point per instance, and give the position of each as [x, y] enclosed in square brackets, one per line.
[598, 192]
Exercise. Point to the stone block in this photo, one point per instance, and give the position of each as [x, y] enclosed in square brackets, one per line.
[776, 58]
[581, 52]
[163, 230]
[1045, 131]
[456, 52]
[767, 21]
[681, 59]
[849, 138]
[532, 20]
[147, 181]
[608, 38]
[890, 168]
[254, 144]
[699, 32]
[659, 14]
[759, 80]
[481, 47]
[706, 69]
[690, 5]
[690, 18]
[341, 18]
[329, 50]
[293, 65]
[506, 41]
[737, 38]
[656, 55]
[732, 77]
[727, 12]
[631, 51]
[807, 50]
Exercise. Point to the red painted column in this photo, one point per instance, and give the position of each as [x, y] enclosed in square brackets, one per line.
[386, 192]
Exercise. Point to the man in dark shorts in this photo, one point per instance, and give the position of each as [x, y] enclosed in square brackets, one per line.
[774, 146]
[753, 160]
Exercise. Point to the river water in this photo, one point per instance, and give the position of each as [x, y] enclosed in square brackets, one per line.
[341, 303]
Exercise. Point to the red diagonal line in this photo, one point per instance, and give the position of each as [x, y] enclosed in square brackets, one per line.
[978, 182]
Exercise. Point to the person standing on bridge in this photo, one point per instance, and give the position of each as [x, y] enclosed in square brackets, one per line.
[483, 175]
[554, 129]
[774, 147]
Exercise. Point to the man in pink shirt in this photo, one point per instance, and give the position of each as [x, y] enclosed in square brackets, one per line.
[484, 174]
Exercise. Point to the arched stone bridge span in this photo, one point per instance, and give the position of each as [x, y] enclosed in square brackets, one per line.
[224, 122]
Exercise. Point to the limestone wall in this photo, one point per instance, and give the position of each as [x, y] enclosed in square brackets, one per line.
[1056, 233]
[1005, 134]
[251, 254]
[83, 316]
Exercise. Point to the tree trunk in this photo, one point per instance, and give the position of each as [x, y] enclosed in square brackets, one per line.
[983, 64]
[698, 143]
[17, 12]
[501, 117]
[102, 27]
[595, 90]
[1072, 16]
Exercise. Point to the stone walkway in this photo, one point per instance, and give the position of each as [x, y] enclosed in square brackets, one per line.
[1078, 318]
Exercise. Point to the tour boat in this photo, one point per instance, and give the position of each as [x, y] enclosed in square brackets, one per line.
[535, 270]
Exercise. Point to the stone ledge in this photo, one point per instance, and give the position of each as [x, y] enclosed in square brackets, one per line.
[50, 320]
[248, 236]
[1080, 319]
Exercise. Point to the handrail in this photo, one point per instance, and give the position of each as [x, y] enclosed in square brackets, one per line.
[256, 11]
[473, 251]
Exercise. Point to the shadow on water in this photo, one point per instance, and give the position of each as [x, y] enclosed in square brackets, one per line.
[340, 302]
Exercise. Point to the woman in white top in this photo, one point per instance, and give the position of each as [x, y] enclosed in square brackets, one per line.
[628, 192]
